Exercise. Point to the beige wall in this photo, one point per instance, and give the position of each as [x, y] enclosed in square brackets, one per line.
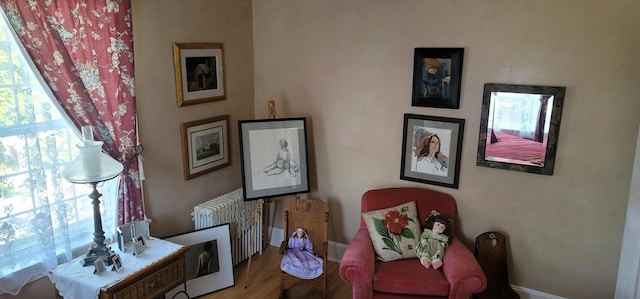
[169, 198]
[347, 66]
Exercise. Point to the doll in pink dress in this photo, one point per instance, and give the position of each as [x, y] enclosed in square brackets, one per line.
[298, 259]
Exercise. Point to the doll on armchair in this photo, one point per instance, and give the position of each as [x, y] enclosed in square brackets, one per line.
[433, 240]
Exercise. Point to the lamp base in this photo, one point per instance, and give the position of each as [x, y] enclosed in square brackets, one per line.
[96, 252]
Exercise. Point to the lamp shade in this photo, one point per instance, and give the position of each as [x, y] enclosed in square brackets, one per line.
[92, 165]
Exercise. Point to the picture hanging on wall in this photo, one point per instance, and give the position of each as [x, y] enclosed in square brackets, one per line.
[431, 150]
[274, 157]
[519, 127]
[199, 70]
[437, 76]
[205, 146]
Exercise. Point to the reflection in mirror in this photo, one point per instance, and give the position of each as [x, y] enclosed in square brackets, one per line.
[519, 127]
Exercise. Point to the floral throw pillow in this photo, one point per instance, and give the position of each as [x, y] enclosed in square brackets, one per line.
[394, 231]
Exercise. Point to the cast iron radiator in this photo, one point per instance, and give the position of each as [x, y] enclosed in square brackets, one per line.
[231, 208]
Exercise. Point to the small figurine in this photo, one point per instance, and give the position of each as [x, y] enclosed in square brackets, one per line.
[433, 240]
[298, 259]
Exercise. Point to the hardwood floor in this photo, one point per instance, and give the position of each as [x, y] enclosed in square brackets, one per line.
[264, 281]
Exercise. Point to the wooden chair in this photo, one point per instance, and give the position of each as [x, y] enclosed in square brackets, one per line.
[491, 253]
[313, 216]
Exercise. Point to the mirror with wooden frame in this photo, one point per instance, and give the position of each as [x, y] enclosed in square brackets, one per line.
[519, 127]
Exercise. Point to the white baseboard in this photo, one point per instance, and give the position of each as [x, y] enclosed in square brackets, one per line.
[533, 294]
[336, 250]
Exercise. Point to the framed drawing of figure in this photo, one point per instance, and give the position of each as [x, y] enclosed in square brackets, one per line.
[274, 157]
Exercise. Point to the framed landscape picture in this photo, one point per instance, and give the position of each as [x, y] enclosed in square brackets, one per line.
[274, 157]
[431, 150]
[199, 70]
[437, 74]
[205, 146]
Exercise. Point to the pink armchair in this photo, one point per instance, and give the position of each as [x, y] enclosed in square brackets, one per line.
[460, 276]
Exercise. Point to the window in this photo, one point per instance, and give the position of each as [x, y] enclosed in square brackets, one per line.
[43, 218]
[517, 113]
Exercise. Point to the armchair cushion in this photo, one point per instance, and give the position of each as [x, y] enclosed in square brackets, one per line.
[409, 277]
[394, 231]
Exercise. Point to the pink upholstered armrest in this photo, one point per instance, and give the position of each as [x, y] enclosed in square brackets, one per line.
[462, 271]
[358, 263]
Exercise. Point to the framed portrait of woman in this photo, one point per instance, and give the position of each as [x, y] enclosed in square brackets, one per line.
[431, 149]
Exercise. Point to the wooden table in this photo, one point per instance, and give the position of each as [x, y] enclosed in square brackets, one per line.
[158, 270]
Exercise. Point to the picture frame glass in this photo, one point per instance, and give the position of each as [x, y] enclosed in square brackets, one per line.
[437, 76]
[274, 157]
[431, 149]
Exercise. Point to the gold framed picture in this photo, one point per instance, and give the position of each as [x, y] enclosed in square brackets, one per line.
[205, 146]
[199, 69]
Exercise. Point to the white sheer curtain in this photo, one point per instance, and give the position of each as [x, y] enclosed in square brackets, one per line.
[515, 113]
[44, 220]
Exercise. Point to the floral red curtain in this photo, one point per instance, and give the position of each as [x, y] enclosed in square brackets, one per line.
[84, 51]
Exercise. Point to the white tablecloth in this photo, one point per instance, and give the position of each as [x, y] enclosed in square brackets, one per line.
[74, 281]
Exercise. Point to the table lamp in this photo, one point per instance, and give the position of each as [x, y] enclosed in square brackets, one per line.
[91, 167]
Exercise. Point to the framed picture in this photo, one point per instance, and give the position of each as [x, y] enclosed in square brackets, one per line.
[117, 263]
[140, 229]
[437, 74]
[208, 262]
[274, 157]
[199, 69]
[431, 149]
[519, 127]
[138, 247]
[205, 146]
[124, 236]
[99, 265]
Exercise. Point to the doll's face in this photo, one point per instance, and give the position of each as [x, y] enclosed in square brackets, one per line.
[438, 227]
[299, 232]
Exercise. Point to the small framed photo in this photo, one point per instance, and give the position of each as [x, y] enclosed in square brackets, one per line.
[99, 265]
[274, 157]
[117, 263]
[138, 247]
[205, 146]
[437, 74]
[141, 229]
[431, 150]
[125, 236]
[199, 69]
